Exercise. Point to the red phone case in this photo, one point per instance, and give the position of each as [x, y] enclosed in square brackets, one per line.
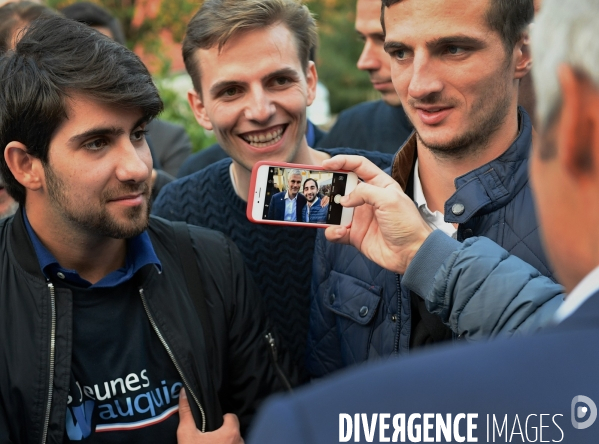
[250, 205]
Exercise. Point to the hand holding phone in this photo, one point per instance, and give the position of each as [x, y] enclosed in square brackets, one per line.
[387, 227]
[299, 195]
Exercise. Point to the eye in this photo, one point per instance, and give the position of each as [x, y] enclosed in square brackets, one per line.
[452, 49]
[138, 135]
[95, 144]
[400, 54]
[281, 81]
[230, 92]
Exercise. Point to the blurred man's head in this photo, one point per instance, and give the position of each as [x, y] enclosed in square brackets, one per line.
[456, 66]
[310, 189]
[294, 182]
[88, 99]
[565, 162]
[374, 59]
[249, 62]
[96, 17]
[14, 17]
[8, 206]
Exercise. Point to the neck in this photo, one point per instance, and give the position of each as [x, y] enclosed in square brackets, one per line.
[242, 176]
[93, 257]
[438, 172]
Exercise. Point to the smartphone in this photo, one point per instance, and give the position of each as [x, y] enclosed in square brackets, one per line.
[299, 195]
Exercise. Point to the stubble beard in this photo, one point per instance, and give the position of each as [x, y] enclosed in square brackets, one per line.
[483, 126]
[100, 222]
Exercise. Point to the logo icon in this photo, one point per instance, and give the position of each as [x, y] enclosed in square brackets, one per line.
[583, 407]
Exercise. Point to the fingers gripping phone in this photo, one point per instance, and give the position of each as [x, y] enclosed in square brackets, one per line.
[299, 195]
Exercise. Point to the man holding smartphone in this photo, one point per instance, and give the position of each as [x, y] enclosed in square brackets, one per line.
[456, 67]
[253, 80]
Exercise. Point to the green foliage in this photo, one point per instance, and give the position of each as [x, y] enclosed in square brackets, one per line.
[177, 110]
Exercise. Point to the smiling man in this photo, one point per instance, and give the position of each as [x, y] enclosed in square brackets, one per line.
[253, 80]
[315, 210]
[289, 205]
[456, 67]
[107, 313]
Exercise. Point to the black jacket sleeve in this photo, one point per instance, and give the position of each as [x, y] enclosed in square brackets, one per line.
[256, 364]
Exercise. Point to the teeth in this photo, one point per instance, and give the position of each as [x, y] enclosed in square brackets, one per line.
[264, 139]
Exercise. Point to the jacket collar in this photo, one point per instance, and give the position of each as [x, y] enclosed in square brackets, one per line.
[483, 190]
[22, 247]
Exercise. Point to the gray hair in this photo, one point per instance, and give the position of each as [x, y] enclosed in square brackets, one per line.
[565, 32]
[293, 173]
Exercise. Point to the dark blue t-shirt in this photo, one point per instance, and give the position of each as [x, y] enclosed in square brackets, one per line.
[124, 387]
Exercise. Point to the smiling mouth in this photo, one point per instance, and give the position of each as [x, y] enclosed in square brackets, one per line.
[261, 139]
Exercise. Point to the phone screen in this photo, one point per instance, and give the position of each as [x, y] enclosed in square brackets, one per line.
[297, 195]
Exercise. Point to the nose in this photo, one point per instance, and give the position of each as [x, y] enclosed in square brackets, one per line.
[260, 107]
[370, 58]
[134, 163]
[425, 77]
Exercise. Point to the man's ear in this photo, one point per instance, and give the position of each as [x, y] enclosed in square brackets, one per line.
[199, 110]
[312, 81]
[522, 55]
[576, 137]
[26, 169]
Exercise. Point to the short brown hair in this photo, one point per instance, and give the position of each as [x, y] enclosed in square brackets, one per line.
[219, 20]
[508, 17]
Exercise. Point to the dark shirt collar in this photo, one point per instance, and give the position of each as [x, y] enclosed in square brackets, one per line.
[140, 252]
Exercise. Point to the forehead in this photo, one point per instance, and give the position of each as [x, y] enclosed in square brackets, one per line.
[368, 16]
[309, 183]
[249, 56]
[295, 177]
[413, 21]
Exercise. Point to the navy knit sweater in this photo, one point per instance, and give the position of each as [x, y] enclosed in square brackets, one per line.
[278, 258]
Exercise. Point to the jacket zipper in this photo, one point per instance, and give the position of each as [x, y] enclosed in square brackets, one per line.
[52, 351]
[398, 320]
[172, 356]
[275, 357]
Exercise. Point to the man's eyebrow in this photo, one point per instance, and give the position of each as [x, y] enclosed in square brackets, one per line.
[94, 132]
[104, 131]
[456, 40]
[441, 41]
[289, 72]
[391, 46]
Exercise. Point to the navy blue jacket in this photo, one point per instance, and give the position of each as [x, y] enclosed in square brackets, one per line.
[276, 208]
[360, 311]
[537, 375]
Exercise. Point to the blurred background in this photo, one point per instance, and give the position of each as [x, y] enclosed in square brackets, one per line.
[154, 29]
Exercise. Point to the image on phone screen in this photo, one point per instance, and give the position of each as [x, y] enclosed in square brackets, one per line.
[308, 196]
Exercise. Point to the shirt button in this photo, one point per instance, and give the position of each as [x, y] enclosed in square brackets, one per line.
[363, 311]
[60, 275]
[332, 299]
[458, 209]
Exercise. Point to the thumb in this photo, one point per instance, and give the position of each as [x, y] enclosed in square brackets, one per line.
[187, 424]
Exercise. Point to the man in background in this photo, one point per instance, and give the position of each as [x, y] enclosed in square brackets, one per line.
[381, 125]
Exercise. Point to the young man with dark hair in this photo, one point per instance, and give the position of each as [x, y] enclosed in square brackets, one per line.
[253, 79]
[314, 211]
[100, 333]
[456, 67]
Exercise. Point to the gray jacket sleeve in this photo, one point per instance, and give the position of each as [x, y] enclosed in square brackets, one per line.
[479, 290]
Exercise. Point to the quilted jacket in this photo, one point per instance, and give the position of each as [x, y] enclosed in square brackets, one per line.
[360, 311]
